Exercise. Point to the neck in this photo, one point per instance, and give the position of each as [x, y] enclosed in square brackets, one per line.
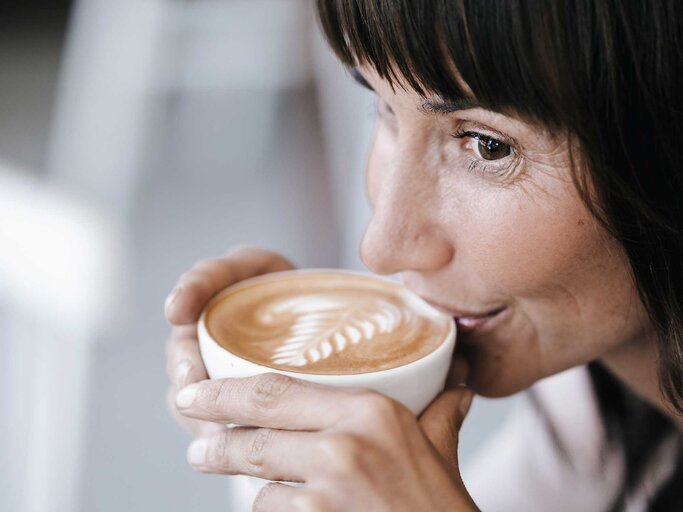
[635, 364]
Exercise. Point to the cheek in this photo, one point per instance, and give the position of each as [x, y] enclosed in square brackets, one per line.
[566, 281]
[522, 247]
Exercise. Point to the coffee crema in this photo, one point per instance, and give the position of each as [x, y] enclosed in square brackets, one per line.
[325, 323]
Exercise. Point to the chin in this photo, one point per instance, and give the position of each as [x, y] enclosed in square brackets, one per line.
[491, 377]
[490, 389]
[503, 360]
[487, 390]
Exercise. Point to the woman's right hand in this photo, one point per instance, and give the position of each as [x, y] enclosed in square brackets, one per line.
[185, 303]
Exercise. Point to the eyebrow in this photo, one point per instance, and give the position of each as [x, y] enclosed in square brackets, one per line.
[428, 106]
[450, 106]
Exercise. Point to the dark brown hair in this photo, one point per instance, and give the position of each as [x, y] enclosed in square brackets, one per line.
[607, 73]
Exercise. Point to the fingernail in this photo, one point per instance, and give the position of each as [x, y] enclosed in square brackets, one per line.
[185, 398]
[170, 300]
[196, 452]
[466, 402]
[182, 371]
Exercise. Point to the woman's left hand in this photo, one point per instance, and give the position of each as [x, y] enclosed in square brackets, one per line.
[355, 449]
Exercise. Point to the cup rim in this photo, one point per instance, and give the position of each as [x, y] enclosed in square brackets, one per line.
[203, 332]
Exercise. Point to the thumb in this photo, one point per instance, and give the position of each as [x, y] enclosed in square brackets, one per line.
[442, 420]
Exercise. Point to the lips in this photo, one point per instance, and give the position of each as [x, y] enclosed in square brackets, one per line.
[469, 321]
[476, 323]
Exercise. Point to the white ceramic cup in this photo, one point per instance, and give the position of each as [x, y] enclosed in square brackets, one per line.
[414, 384]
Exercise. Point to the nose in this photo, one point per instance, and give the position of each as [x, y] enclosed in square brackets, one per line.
[403, 233]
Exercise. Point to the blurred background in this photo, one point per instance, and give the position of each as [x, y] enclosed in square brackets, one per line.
[136, 137]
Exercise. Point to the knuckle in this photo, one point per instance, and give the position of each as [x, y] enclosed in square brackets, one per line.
[201, 282]
[279, 262]
[195, 280]
[259, 444]
[213, 395]
[272, 257]
[269, 260]
[382, 409]
[341, 452]
[268, 390]
[218, 452]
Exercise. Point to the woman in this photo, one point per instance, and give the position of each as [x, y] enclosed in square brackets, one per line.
[525, 175]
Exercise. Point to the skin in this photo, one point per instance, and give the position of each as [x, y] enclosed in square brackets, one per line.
[511, 233]
[471, 234]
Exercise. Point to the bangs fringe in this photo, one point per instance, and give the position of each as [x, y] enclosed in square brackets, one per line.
[396, 38]
[408, 42]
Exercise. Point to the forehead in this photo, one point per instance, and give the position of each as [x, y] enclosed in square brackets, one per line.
[365, 72]
[424, 103]
[430, 105]
[466, 106]
[530, 137]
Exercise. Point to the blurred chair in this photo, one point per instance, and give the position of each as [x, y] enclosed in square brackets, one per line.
[58, 273]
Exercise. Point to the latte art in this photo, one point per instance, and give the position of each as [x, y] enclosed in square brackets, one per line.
[325, 323]
[322, 326]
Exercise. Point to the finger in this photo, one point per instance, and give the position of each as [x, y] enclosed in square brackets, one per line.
[268, 400]
[274, 497]
[457, 374]
[196, 428]
[266, 453]
[442, 420]
[184, 363]
[207, 277]
[309, 501]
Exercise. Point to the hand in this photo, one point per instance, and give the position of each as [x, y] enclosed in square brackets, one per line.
[184, 304]
[354, 449]
[365, 451]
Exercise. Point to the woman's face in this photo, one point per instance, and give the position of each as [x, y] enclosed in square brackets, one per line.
[478, 213]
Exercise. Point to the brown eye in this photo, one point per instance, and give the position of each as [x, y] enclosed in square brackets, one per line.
[492, 149]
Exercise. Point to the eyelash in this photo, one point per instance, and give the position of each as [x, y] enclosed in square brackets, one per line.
[477, 165]
[504, 169]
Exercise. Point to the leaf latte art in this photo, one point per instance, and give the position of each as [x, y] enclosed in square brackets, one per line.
[323, 326]
[328, 323]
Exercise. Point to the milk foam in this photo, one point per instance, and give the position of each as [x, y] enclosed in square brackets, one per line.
[327, 323]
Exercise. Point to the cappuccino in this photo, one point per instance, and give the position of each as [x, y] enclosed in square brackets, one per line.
[320, 322]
